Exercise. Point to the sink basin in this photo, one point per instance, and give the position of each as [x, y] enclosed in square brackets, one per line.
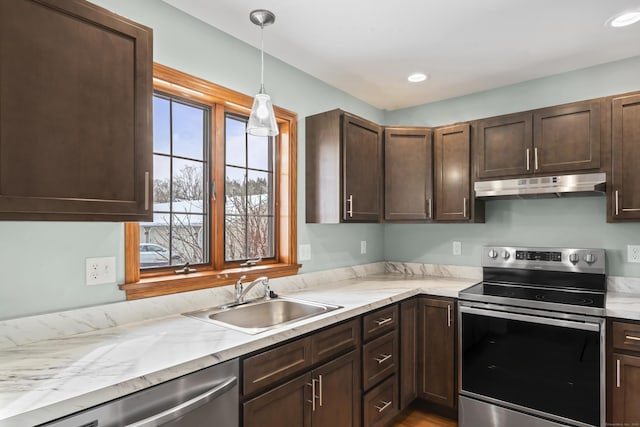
[259, 316]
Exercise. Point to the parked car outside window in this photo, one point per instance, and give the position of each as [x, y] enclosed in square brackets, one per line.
[153, 255]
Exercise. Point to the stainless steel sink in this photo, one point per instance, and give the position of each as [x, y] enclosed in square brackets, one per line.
[259, 316]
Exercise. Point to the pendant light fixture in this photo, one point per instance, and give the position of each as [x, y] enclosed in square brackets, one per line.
[262, 120]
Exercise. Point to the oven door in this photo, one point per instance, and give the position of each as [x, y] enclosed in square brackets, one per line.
[544, 364]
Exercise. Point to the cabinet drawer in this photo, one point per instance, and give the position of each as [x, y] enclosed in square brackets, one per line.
[626, 336]
[335, 340]
[379, 322]
[380, 404]
[379, 359]
[266, 368]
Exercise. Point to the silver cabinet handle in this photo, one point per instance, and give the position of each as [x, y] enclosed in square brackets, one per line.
[384, 406]
[313, 394]
[382, 358]
[528, 165]
[188, 406]
[350, 210]
[146, 190]
[320, 387]
[535, 158]
[449, 315]
[381, 322]
[617, 202]
[430, 209]
[631, 338]
[464, 207]
[617, 373]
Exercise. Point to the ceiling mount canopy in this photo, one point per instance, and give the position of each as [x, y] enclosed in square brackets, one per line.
[262, 120]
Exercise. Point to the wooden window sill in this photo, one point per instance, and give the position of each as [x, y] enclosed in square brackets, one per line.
[174, 283]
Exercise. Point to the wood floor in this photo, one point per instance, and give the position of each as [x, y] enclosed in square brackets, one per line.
[416, 418]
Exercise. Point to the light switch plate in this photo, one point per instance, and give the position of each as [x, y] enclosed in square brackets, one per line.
[100, 271]
[304, 252]
[363, 247]
[457, 248]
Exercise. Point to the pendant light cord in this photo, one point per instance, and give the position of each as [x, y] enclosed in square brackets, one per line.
[262, 58]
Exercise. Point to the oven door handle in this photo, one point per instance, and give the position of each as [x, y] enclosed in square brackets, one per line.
[585, 326]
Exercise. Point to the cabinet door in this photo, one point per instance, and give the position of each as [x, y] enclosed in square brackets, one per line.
[452, 165]
[361, 170]
[408, 174]
[626, 158]
[437, 351]
[337, 393]
[75, 113]
[286, 405]
[626, 390]
[567, 137]
[408, 352]
[504, 146]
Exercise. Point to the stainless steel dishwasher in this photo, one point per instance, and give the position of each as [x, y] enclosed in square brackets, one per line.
[205, 398]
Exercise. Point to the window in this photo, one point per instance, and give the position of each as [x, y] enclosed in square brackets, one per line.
[221, 197]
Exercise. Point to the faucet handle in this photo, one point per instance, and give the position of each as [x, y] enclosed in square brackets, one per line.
[239, 281]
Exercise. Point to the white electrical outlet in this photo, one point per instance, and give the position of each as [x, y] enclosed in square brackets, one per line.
[633, 253]
[363, 247]
[100, 271]
[304, 252]
[457, 248]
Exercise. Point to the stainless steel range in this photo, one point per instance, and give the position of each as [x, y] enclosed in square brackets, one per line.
[532, 339]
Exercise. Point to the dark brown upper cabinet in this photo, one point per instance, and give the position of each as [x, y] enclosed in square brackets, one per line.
[504, 145]
[624, 196]
[343, 168]
[75, 113]
[559, 139]
[408, 174]
[454, 201]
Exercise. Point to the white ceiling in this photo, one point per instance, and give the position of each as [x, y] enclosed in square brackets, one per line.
[367, 48]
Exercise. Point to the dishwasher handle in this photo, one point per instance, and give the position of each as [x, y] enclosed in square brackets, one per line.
[186, 407]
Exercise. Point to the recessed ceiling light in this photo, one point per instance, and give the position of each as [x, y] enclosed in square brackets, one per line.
[624, 19]
[417, 77]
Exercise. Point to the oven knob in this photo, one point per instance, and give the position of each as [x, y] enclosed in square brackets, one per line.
[574, 258]
[505, 255]
[493, 254]
[589, 258]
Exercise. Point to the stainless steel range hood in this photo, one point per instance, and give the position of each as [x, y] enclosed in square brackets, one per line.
[543, 187]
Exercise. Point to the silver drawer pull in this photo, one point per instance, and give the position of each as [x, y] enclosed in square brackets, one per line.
[528, 166]
[350, 210]
[618, 373]
[384, 406]
[381, 322]
[383, 358]
[631, 338]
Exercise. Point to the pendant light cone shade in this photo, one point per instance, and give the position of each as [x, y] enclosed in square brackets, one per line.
[262, 120]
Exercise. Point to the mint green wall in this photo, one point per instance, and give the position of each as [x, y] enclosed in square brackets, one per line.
[571, 222]
[42, 263]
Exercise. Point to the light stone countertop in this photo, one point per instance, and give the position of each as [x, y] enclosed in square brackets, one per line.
[46, 380]
[49, 379]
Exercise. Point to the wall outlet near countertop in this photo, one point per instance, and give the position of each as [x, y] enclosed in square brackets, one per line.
[363, 247]
[100, 271]
[633, 253]
[304, 252]
[457, 248]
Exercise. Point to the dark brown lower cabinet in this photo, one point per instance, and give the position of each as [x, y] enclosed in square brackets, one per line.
[626, 390]
[408, 352]
[380, 403]
[326, 396]
[437, 367]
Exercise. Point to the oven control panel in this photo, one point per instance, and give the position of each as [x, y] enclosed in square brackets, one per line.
[558, 259]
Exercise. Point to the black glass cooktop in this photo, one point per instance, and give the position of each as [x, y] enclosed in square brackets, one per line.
[532, 296]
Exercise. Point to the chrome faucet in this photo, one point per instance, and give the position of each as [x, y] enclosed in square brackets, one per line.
[242, 290]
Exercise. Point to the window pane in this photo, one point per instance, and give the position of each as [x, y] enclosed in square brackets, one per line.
[154, 242]
[161, 125]
[235, 247]
[260, 237]
[260, 152]
[188, 189]
[259, 193]
[235, 191]
[188, 131]
[188, 239]
[161, 182]
[235, 142]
